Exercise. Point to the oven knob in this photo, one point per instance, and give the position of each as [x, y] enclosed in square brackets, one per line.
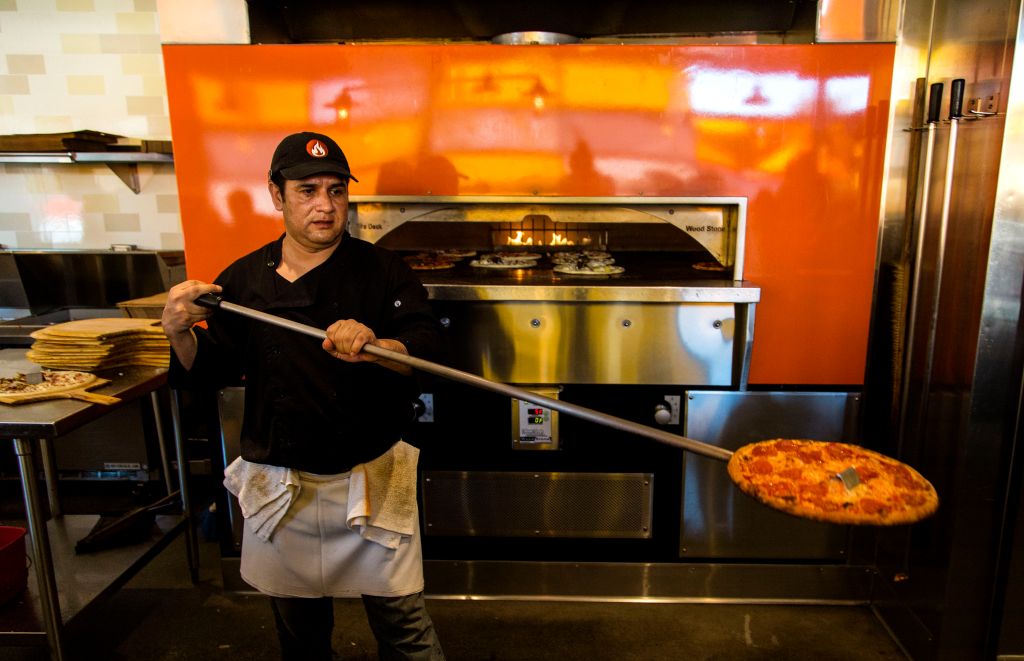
[662, 414]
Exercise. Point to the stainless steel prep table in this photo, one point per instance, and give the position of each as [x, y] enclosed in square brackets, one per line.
[52, 543]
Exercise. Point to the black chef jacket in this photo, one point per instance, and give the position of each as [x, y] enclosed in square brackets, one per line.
[305, 409]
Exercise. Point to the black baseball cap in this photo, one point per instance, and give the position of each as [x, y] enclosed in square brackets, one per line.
[303, 154]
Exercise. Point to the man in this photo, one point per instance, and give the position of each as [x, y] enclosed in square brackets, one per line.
[321, 436]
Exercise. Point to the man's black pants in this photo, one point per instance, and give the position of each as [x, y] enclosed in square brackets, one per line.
[401, 625]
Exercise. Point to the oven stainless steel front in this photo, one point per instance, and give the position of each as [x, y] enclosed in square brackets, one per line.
[518, 501]
[519, 482]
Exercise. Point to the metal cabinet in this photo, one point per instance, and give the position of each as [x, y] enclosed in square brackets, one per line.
[720, 521]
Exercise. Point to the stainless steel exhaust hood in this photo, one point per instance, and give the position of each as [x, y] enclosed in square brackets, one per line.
[279, 21]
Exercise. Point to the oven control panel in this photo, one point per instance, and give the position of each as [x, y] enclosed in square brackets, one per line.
[535, 427]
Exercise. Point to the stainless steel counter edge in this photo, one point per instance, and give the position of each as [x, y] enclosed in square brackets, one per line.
[727, 292]
[51, 418]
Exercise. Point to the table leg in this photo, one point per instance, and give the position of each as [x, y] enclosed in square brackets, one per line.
[49, 460]
[183, 481]
[41, 557]
[158, 421]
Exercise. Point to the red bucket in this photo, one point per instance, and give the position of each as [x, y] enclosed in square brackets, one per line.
[13, 564]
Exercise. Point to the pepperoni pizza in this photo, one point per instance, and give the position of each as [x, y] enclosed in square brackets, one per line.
[802, 477]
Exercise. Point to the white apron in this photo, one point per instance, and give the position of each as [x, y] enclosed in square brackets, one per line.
[314, 553]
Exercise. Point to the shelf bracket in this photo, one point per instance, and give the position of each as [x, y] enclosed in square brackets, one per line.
[124, 164]
[128, 173]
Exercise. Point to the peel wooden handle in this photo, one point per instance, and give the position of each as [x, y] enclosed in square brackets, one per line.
[93, 397]
[85, 396]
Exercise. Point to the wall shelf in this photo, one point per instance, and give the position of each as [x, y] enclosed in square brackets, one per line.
[123, 164]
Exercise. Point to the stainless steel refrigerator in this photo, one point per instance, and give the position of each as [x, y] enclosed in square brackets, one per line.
[944, 378]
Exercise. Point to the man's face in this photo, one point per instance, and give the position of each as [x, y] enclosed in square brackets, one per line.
[315, 209]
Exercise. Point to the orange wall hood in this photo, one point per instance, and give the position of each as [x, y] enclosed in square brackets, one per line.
[798, 130]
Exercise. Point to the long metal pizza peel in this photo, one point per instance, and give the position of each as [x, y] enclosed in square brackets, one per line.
[848, 477]
[215, 302]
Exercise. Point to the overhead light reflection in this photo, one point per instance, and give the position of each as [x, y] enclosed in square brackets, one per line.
[744, 93]
[539, 94]
[847, 95]
[508, 87]
[62, 221]
[756, 98]
[342, 105]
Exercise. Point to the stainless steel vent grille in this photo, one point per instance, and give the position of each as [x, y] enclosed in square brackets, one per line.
[478, 503]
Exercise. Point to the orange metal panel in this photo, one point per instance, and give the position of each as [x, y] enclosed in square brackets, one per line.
[798, 130]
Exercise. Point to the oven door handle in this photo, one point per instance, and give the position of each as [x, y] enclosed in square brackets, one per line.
[590, 415]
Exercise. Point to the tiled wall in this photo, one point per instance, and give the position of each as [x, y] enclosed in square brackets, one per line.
[68, 65]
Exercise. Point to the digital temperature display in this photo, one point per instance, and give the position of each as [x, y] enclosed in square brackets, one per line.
[534, 427]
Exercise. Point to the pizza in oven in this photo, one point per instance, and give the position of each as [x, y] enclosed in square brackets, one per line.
[429, 264]
[589, 269]
[426, 261]
[513, 254]
[456, 253]
[802, 477]
[583, 264]
[708, 266]
[500, 261]
[571, 256]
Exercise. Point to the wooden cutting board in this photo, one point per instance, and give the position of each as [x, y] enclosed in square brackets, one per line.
[76, 391]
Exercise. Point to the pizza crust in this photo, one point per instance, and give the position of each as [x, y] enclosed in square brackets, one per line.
[799, 477]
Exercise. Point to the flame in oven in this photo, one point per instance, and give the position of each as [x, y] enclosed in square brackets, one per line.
[521, 239]
[517, 240]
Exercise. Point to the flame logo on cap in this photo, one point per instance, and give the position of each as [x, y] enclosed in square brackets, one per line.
[316, 149]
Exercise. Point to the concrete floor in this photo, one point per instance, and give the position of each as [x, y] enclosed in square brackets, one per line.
[160, 616]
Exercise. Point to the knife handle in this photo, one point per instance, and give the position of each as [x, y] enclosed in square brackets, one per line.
[934, 103]
[956, 98]
[209, 301]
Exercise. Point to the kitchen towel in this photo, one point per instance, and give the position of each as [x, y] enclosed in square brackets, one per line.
[264, 493]
[382, 496]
